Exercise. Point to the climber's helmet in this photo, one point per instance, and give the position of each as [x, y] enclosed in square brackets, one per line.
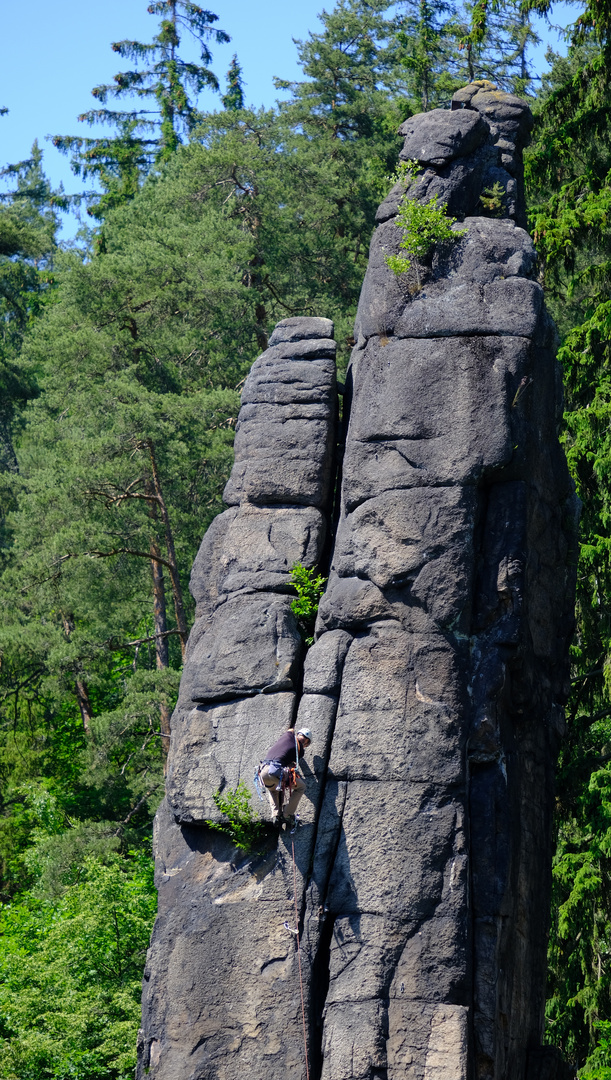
[307, 734]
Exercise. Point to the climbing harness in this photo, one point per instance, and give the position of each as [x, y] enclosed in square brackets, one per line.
[287, 780]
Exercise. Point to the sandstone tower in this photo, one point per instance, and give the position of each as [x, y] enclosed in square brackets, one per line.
[434, 689]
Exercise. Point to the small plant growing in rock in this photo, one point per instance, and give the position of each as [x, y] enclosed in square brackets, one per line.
[493, 199]
[309, 588]
[242, 827]
[423, 224]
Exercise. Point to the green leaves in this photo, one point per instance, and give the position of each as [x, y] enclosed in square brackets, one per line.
[70, 975]
[423, 224]
[243, 829]
[309, 587]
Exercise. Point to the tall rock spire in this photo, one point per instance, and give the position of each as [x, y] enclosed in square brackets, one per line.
[434, 689]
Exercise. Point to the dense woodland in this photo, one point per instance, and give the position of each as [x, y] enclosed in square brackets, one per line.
[122, 355]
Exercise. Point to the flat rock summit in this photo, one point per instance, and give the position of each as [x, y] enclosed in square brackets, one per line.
[417, 883]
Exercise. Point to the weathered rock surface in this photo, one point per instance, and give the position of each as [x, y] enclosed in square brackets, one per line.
[419, 877]
[284, 435]
[244, 658]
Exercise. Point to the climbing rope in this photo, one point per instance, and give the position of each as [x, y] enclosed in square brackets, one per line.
[303, 1017]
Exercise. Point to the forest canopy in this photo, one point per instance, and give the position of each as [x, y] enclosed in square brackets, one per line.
[122, 356]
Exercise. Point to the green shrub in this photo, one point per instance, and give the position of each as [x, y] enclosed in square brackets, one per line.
[309, 587]
[423, 224]
[242, 827]
[493, 200]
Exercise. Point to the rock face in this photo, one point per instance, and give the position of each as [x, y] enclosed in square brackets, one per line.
[419, 875]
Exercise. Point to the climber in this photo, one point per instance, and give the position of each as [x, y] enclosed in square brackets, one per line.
[278, 771]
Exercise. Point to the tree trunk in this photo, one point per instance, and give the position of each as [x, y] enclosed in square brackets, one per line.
[161, 641]
[179, 609]
[84, 704]
[80, 686]
[159, 610]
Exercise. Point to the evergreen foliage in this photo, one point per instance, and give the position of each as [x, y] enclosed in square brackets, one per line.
[501, 53]
[161, 78]
[428, 33]
[569, 175]
[28, 227]
[234, 98]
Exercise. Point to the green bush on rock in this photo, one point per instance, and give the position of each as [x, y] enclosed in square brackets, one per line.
[423, 224]
[242, 828]
[309, 587]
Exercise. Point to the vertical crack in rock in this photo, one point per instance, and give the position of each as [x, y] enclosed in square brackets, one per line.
[434, 688]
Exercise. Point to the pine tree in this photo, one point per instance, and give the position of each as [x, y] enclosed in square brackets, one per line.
[502, 56]
[427, 36]
[569, 181]
[167, 83]
[234, 98]
[28, 226]
[347, 68]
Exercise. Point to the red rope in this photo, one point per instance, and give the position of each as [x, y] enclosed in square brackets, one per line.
[305, 1038]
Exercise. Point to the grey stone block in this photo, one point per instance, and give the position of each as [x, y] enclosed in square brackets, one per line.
[400, 538]
[252, 643]
[349, 603]
[380, 822]
[428, 1042]
[407, 696]
[301, 328]
[505, 114]
[509, 307]
[296, 467]
[322, 349]
[353, 1041]
[444, 404]
[476, 286]
[255, 548]
[284, 435]
[291, 383]
[322, 670]
[435, 138]
[206, 569]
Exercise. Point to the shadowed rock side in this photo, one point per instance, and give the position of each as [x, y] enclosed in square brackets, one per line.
[434, 689]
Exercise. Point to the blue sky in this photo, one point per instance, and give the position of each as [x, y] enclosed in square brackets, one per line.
[52, 54]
